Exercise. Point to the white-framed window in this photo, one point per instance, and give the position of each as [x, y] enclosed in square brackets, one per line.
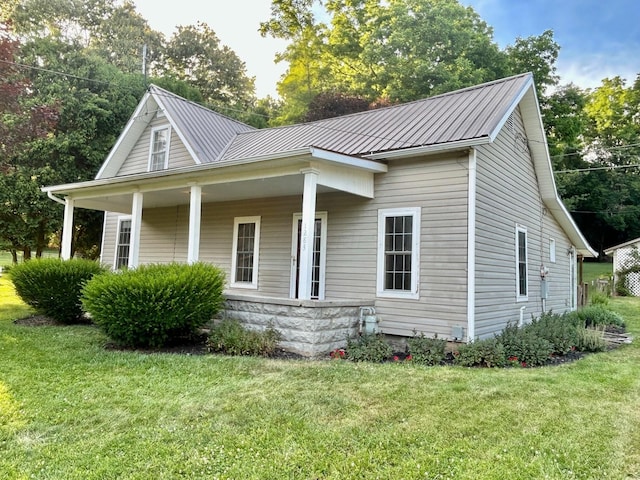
[318, 267]
[159, 148]
[552, 250]
[246, 246]
[398, 252]
[522, 267]
[123, 243]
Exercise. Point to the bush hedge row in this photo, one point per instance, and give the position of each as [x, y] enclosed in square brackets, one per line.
[153, 304]
[53, 286]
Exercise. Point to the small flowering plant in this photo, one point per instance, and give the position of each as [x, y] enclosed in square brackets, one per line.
[515, 362]
[338, 354]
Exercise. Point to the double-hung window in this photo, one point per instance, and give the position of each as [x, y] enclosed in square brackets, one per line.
[246, 243]
[398, 252]
[522, 281]
[159, 150]
[123, 243]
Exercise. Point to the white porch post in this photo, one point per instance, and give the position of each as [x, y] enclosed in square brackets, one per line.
[195, 207]
[67, 229]
[307, 233]
[136, 221]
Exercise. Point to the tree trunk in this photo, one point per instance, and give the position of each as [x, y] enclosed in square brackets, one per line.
[26, 254]
[14, 256]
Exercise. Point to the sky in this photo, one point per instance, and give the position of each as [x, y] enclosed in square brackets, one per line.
[598, 38]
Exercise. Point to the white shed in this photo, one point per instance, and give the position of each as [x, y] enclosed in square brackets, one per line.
[627, 255]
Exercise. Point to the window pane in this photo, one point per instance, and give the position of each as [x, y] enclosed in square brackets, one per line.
[398, 250]
[522, 263]
[124, 243]
[244, 252]
[159, 149]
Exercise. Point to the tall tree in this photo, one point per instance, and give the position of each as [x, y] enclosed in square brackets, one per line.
[195, 54]
[536, 54]
[398, 50]
[113, 29]
[23, 120]
[602, 186]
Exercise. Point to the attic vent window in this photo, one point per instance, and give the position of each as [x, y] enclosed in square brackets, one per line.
[509, 123]
[159, 150]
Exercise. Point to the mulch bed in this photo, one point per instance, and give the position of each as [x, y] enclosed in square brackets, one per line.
[197, 345]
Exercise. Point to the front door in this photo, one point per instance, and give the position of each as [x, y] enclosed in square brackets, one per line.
[319, 254]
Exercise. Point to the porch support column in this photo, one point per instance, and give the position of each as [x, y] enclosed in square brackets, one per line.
[67, 229]
[195, 207]
[136, 221]
[307, 233]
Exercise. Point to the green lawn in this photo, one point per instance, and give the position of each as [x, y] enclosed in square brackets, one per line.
[70, 409]
[5, 256]
[594, 270]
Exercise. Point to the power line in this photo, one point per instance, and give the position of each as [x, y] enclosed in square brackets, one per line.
[592, 169]
[69, 75]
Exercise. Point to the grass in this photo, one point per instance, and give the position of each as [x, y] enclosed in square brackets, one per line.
[5, 256]
[71, 409]
[594, 270]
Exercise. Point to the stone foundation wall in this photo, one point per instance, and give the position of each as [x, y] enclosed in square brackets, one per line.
[308, 327]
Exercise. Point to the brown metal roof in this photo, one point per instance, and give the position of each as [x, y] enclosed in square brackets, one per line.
[471, 113]
[205, 131]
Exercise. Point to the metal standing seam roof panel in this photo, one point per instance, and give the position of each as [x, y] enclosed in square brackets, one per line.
[206, 131]
[464, 114]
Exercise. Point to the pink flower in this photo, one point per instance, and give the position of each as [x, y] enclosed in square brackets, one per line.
[524, 364]
[513, 358]
[409, 358]
[395, 358]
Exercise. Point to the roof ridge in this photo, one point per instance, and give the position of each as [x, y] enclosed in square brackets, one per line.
[421, 100]
[195, 104]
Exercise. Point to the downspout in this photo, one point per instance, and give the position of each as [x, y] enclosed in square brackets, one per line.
[471, 248]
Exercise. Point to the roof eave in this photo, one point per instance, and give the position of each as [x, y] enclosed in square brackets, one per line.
[429, 149]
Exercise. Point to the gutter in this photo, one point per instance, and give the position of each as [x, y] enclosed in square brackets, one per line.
[54, 198]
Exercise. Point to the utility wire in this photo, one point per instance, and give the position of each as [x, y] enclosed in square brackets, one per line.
[591, 169]
[315, 124]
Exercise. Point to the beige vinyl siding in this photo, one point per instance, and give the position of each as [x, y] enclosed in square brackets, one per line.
[507, 196]
[138, 159]
[110, 230]
[437, 185]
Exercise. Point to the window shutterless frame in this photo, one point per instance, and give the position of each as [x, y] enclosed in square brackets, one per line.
[522, 265]
[123, 243]
[398, 272]
[245, 252]
[159, 148]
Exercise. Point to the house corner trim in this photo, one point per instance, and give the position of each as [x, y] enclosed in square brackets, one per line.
[471, 248]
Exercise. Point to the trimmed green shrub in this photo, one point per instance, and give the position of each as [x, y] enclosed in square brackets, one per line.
[599, 315]
[53, 286]
[591, 340]
[481, 353]
[230, 337]
[525, 344]
[153, 304]
[371, 347]
[426, 351]
[559, 330]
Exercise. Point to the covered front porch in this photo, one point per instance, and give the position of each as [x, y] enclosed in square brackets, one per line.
[312, 322]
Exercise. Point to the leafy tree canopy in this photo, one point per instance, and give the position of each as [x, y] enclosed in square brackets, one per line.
[399, 50]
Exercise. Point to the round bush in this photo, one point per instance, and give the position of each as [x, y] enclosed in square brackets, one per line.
[153, 304]
[53, 286]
